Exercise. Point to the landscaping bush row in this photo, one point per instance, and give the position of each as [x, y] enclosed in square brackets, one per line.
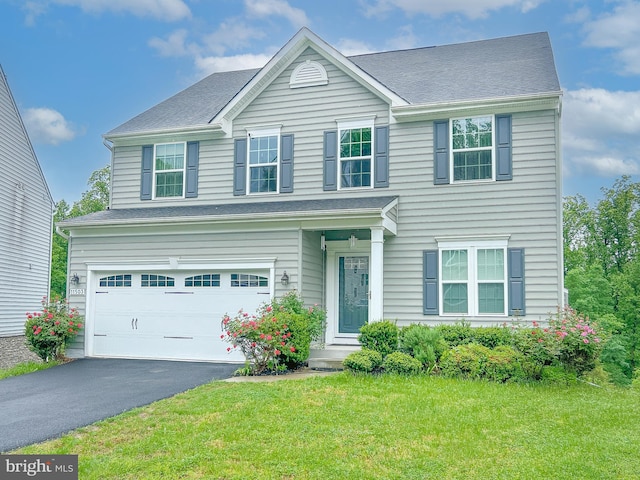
[567, 347]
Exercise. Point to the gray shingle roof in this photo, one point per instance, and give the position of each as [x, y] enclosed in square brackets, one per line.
[221, 212]
[502, 67]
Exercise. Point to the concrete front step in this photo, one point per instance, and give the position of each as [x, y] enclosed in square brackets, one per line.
[330, 357]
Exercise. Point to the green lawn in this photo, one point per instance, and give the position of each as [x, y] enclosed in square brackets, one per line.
[342, 427]
[27, 367]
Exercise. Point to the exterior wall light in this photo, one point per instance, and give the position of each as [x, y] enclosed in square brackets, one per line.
[285, 279]
[75, 279]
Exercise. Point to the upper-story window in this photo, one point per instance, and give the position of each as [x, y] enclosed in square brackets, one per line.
[264, 155]
[169, 170]
[472, 147]
[354, 154]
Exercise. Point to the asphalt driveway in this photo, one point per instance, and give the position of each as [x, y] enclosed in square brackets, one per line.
[46, 404]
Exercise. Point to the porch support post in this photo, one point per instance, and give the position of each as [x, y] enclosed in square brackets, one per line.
[376, 290]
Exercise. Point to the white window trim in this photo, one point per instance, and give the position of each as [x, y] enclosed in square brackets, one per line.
[347, 124]
[263, 132]
[493, 150]
[472, 248]
[184, 171]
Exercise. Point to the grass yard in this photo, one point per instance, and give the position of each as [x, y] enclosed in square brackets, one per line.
[27, 367]
[346, 427]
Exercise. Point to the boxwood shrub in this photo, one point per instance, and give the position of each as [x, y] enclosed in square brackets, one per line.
[363, 361]
[379, 336]
[402, 364]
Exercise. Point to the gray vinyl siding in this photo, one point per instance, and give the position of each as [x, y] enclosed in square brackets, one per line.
[208, 247]
[26, 211]
[526, 208]
[312, 268]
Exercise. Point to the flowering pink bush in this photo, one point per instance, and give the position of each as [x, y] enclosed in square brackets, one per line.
[49, 331]
[277, 337]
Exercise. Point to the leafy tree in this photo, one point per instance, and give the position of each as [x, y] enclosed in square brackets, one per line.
[93, 200]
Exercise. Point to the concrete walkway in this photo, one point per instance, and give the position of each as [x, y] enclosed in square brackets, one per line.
[46, 404]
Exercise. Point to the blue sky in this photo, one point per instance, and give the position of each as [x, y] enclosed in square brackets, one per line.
[78, 68]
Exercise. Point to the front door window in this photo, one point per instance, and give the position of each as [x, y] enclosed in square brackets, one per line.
[353, 293]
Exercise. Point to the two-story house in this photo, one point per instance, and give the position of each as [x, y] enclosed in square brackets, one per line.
[26, 216]
[419, 185]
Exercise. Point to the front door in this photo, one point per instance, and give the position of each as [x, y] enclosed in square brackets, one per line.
[353, 293]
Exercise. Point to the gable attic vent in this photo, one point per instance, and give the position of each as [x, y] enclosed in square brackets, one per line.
[308, 74]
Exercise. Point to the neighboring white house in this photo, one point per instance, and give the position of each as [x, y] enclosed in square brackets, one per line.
[419, 185]
[26, 216]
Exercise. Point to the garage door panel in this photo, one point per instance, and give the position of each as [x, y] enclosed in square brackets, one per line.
[173, 321]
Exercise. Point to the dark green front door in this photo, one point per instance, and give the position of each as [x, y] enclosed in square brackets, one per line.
[353, 293]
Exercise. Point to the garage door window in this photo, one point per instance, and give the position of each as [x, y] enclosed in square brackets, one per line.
[152, 280]
[207, 280]
[247, 280]
[116, 281]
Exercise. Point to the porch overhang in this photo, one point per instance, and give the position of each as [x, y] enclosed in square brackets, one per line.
[324, 214]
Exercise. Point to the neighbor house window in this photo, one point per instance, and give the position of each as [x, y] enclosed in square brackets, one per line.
[354, 153]
[264, 159]
[169, 170]
[473, 279]
[472, 148]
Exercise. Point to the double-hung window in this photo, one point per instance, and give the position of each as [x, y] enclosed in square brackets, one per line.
[473, 278]
[472, 148]
[264, 160]
[355, 153]
[169, 169]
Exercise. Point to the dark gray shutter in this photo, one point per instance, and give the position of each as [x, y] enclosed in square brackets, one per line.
[441, 152]
[430, 286]
[286, 163]
[240, 167]
[504, 169]
[515, 270]
[330, 160]
[381, 158]
[146, 179]
[193, 154]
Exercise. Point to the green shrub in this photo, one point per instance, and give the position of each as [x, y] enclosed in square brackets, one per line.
[49, 331]
[557, 375]
[504, 364]
[457, 334]
[379, 336]
[476, 361]
[402, 364]
[466, 361]
[364, 361]
[492, 337]
[423, 343]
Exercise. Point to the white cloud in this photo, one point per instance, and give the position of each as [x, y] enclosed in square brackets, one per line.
[47, 126]
[231, 34]
[168, 10]
[404, 40]
[348, 47]
[600, 132]
[280, 8]
[174, 46]
[619, 30]
[471, 9]
[208, 65]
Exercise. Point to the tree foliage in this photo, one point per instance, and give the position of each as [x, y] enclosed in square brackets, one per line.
[602, 268]
[93, 200]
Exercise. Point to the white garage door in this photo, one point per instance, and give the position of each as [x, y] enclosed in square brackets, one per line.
[166, 315]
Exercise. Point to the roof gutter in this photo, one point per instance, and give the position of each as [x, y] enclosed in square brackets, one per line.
[158, 134]
[517, 103]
